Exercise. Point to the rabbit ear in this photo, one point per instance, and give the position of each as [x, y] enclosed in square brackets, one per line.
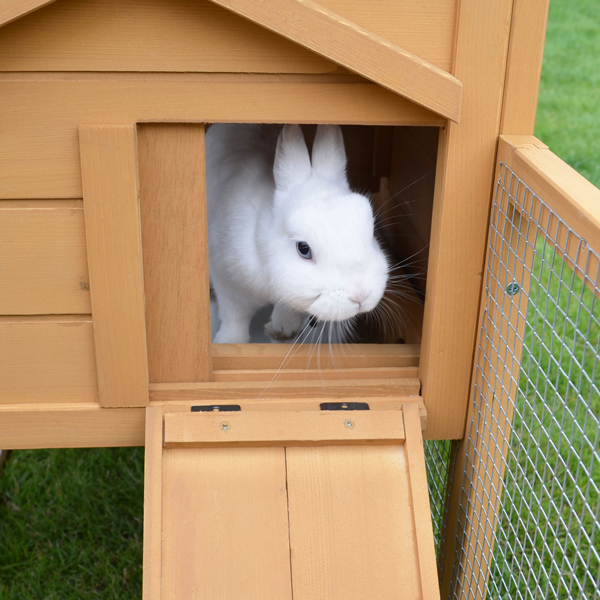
[328, 155]
[292, 163]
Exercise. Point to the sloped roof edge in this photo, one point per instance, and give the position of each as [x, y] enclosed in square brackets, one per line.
[313, 26]
[11, 10]
[324, 32]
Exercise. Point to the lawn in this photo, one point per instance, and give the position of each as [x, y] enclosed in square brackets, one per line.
[71, 520]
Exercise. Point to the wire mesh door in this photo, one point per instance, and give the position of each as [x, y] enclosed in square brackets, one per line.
[522, 513]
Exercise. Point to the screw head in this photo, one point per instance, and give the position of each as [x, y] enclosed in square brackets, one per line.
[513, 288]
[225, 426]
[349, 424]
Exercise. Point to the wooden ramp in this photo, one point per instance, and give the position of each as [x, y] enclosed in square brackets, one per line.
[309, 505]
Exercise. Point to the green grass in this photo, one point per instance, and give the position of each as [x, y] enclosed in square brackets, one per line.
[71, 520]
[568, 117]
[71, 524]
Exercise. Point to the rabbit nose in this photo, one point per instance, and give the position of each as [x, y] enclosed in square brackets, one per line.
[359, 296]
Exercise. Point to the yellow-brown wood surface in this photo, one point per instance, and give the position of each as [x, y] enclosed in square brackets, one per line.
[39, 153]
[174, 244]
[153, 504]
[113, 234]
[195, 35]
[284, 428]
[359, 50]
[11, 10]
[225, 524]
[464, 175]
[47, 359]
[351, 528]
[43, 258]
[69, 425]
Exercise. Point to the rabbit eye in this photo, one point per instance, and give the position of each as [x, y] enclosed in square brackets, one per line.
[304, 250]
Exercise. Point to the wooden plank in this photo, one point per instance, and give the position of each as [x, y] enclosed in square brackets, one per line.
[566, 192]
[39, 154]
[351, 527]
[464, 175]
[10, 10]
[112, 227]
[425, 29]
[153, 504]
[524, 66]
[423, 529]
[298, 428]
[43, 258]
[47, 359]
[225, 525]
[229, 391]
[175, 249]
[69, 425]
[191, 35]
[149, 35]
[274, 356]
[330, 35]
[314, 374]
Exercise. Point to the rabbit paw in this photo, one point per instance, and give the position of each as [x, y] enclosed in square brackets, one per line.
[285, 324]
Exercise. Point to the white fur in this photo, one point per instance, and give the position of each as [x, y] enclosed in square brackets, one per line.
[264, 196]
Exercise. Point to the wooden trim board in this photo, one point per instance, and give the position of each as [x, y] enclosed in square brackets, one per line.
[299, 428]
[11, 10]
[113, 233]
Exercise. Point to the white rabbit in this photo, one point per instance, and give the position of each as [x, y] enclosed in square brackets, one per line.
[284, 232]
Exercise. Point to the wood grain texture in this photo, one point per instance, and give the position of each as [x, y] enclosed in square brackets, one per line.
[424, 541]
[43, 262]
[229, 391]
[314, 374]
[148, 35]
[151, 585]
[47, 360]
[423, 28]
[351, 527]
[113, 234]
[69, 425]
[332, 36]
[464, 175]
[175, 249]
[225, 525]
[283, 428]
[524, 66]
[274, 356]
[11, 10]
[39, 152]
[185, 35]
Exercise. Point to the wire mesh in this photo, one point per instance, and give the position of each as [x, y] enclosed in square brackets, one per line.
[529, 522]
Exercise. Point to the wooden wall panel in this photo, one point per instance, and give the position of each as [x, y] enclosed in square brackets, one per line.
[188, 35]
[70, 426]
[175, 248]
[39, 153]
[113, 234]
[464, 176]
[43, 263]
[148, 35]
[47, 359]
[423, 28]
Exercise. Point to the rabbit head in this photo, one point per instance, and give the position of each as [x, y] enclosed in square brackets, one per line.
[323, 256]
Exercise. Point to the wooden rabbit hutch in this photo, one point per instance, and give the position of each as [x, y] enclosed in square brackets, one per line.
[105, 328]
